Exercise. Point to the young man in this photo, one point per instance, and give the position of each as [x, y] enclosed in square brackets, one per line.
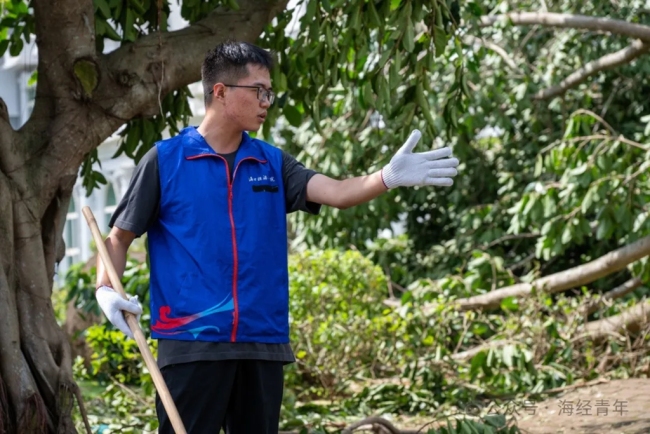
[214, 202]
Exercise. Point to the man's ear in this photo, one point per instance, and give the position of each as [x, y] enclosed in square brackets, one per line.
[219, 91]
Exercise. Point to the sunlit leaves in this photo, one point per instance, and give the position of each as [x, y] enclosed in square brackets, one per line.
[16, 26]
[583, 188]
[366, 48]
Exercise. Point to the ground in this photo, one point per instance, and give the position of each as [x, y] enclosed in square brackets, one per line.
[607, 407]
[613, 407]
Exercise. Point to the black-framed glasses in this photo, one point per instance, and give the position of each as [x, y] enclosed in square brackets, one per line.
[262, 93]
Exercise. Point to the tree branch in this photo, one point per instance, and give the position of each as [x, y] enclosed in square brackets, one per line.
[130, 81]
[618, 292]
[137, 69]
[580, 275]
[373, 420]
[609, 61]
[468, 354]
[472, 40]
[569, 21]
[631, 320]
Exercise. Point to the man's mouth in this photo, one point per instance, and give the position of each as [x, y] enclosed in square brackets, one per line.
[262, 117]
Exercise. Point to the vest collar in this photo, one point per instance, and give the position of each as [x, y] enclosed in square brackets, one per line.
[195, 146]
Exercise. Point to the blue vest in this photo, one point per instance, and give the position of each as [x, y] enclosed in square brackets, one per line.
[218, 250]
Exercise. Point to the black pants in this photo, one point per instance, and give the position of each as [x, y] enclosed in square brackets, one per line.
[240, 396]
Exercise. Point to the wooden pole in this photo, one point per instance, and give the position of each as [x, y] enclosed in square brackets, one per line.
[132, 321]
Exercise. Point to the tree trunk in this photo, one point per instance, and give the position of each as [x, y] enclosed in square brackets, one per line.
[36, 384]
[38, 168]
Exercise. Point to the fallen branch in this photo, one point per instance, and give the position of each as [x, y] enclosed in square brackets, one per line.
[630, 320]
[373, 420]
[609, 61]
[383, 426]
[472, 40]
[567, 279]
[569, 21]
[468, 354]
[618, 292]
[379, 425]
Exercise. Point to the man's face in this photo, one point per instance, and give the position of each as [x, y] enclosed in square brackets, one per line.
[241, 104]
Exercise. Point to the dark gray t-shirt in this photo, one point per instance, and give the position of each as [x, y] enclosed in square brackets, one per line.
[139, 208]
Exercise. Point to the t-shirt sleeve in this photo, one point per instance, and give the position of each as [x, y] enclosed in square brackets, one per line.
[140, 205]
[295, 177]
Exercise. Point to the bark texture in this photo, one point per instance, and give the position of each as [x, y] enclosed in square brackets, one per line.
[38, 168]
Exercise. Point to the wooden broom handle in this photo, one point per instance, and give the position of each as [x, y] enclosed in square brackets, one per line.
[132, 321]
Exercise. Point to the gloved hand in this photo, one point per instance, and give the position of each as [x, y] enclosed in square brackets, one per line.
[112, 304]
[407, 169]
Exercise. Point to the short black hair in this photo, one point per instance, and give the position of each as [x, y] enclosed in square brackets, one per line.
[228, 61]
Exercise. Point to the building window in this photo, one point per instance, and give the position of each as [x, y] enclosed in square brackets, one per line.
[71, 236]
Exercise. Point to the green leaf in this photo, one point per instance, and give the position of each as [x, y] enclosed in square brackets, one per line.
[129, 29]
[439, 40]
[550, 206]
[495, 420]
[111, 33]
[604, 228]
[408, 37]
[232, 4]
[477, 362]
[394, 79]
[103, 7]
[375, 21]
[368, 95]
[510, 304]
[16, 47]
[640, 221]
[567, 234]
[293, 115]
[312, 5]
[3, 46]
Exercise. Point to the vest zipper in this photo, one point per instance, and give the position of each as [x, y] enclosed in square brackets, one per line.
[235, 319]
[235, 322]
[235, 313]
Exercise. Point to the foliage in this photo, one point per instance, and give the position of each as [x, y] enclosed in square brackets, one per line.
[357, 357]
[337, 318]
[115, 357]
[534, 175]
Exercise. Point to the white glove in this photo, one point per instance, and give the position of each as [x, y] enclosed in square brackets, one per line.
[407, 169]
[112, 304]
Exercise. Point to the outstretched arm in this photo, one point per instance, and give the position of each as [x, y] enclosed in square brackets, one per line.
[345, 193]
[405, 169]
